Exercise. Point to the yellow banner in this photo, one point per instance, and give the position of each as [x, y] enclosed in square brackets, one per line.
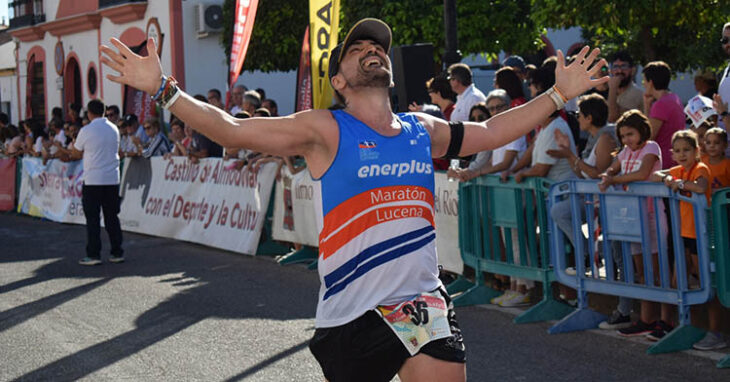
[324, 20]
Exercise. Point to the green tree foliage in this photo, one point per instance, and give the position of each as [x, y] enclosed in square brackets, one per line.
[683, 33]
[276, 39]
[483, 27]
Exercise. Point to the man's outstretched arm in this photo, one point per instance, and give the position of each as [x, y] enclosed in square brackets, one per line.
[572, 81]
[292, 135]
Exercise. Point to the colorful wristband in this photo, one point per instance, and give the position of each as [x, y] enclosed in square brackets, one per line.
[170, 94]
[162, 87]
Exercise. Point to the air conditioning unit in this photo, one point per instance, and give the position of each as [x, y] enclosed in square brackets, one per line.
[208, 19]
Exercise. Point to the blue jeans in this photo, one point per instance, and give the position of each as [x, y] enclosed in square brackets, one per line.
[563, 217]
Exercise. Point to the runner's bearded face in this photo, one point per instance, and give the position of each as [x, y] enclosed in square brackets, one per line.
[365, 64]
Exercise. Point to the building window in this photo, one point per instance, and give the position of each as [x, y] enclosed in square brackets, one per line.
[25, 13]
[36, 88]
[72, 83]
[91, 80]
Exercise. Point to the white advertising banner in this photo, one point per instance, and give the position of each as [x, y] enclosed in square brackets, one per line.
[52, 190]
[210, 202]
[294, 215]
[446, 200]
[294, 209]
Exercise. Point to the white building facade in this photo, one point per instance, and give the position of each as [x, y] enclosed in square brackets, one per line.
[58, 57]
[8, 95]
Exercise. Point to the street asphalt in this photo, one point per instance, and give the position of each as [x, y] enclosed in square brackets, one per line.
[177, 311]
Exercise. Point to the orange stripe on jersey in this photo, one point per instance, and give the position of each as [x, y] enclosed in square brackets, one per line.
[350, 208]
[328, 246]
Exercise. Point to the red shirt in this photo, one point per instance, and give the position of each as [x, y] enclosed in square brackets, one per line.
[447, 112]
[517, 102]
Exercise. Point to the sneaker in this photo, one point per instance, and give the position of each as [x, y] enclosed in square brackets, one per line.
[517, 299]
[570, 271]
[660, 330]
[712, 341]
[572, 302]
[616, 321]
[116, 259]
[639, 328]
[89, 261]
[507, 294]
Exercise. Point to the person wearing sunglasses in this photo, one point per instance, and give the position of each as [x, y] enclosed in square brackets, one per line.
[112, 114]
[461, 81]
[500, 159]
[158, 144]
[623, 93]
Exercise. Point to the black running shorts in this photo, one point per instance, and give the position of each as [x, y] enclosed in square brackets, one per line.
[366, 349]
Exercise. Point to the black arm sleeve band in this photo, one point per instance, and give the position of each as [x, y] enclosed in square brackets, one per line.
[457, 137]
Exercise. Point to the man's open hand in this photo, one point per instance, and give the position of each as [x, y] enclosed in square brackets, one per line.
[143, 73]
[574, 79]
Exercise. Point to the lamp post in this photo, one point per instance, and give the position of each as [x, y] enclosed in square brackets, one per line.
[452, 54]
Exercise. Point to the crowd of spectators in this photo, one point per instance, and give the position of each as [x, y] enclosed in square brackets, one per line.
[617, 133]
[151, 137]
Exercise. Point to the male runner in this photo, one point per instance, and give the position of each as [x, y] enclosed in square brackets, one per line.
[381, 308]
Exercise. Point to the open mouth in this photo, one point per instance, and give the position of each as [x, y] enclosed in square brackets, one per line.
[372, 62]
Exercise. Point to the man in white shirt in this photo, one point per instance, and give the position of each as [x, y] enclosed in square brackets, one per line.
[97, 144]
[467, 95]
[237, 99]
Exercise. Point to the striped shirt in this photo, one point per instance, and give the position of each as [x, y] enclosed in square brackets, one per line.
[377, 241]
[158, 146]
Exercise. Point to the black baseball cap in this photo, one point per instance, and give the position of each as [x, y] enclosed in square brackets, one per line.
[129, 119]
[365, 29]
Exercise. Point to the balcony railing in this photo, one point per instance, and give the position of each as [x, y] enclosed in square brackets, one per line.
[26, 13]
[110, 3]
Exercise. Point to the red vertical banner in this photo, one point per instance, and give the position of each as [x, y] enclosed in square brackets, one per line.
[7, 184]
[242, 28]
[304, 76]
[136, 101]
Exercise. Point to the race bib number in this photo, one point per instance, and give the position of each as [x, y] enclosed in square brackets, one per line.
[418, 321]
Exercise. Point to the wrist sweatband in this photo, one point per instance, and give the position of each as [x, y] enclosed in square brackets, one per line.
[457, 137]
[556, 97]
[562, 96]
[173, 98]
